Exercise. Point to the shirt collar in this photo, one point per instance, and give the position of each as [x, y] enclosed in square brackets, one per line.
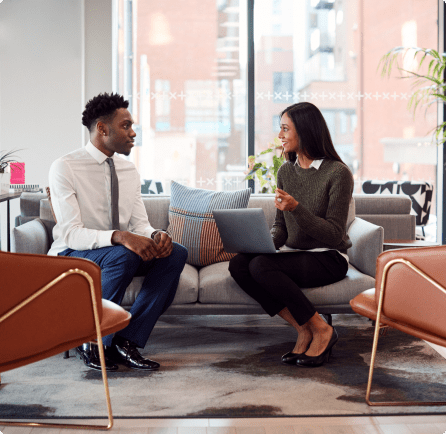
[315, 163]
[99, 156]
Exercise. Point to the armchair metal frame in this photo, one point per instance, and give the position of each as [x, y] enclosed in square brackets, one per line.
[101, 351]
[379, 326]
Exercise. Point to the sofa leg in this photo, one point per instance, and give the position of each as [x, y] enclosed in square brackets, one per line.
[66, 354]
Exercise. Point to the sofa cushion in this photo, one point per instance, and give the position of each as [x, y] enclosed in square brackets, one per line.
[30, 204]
[192, 224]
[266, 202]
[157, 208]
[396, 227]
[382, 204]
[341, 292]
[187, 291]
[31, 237]
[217, 286]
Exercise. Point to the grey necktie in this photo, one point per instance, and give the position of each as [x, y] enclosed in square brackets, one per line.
[114, 194]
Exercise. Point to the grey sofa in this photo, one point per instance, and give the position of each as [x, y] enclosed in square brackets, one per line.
[211, 290]
[391, 211]
[29, 207]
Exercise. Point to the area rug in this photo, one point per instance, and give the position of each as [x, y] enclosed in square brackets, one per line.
[229, 366]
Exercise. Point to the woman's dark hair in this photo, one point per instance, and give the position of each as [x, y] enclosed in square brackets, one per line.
[314, 137]
[102, 107]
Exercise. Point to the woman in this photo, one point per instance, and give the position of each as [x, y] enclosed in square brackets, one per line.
[312, 199]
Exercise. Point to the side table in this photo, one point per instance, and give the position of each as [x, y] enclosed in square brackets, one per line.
[405, 244]
[6, 197]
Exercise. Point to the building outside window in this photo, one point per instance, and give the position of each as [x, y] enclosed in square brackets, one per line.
[282, 85]
[184, 69]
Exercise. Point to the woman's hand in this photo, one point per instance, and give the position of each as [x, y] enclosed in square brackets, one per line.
[284, 201]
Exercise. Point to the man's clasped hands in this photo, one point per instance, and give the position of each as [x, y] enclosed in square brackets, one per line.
[158, 247]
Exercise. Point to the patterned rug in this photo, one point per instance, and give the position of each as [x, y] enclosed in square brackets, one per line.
[229, 366]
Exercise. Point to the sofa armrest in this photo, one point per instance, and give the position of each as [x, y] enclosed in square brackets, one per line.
[21, 220]
[30, 203]
[367, 240]
[31, 237]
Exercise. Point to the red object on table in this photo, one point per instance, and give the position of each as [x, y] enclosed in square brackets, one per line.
[17, 173]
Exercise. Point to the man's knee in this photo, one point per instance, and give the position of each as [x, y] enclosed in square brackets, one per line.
[123, 258]
[177, 259]
[179, 252]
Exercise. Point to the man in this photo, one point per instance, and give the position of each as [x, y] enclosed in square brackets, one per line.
[96, 197]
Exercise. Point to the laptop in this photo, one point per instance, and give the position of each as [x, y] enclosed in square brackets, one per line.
[245, 231]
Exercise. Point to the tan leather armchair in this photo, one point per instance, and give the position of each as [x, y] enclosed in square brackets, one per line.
[49, 305]
[410, 296]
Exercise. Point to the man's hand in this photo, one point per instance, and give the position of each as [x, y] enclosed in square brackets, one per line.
[164, 243]
[284, 201]
[144, 247]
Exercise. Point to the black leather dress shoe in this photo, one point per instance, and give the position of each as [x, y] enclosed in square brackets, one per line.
[127, 353]
[290, 357]
[89, 353]
[319, 360]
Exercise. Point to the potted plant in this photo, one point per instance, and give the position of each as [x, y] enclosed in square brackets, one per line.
[429, 88]
[6, 157]
[266, 171]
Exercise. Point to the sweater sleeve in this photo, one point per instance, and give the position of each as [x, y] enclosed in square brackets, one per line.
[279, 231]
[331, 229]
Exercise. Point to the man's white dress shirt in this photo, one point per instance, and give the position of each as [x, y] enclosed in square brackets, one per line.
[81, 197]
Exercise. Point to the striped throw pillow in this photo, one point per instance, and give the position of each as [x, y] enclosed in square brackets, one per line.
[191, 222]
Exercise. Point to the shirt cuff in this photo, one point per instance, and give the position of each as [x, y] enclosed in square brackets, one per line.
[152, 235]
[104, 238]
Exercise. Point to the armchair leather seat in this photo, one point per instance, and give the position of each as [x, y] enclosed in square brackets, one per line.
[409, 296]
[49, 305]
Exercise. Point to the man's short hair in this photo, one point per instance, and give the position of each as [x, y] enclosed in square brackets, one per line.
[102, 108]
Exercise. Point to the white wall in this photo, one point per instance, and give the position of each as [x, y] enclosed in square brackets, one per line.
[41, 81]
[54, 56]
[98, 49]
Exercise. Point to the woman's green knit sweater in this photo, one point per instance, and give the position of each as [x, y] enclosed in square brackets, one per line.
[320, 218]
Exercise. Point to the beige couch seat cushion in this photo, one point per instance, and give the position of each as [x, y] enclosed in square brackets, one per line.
[341, 292]
[218, 287]
[187, 291]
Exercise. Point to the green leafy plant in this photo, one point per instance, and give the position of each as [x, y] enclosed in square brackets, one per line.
[7, 157]
[266, 173]
[428, 88]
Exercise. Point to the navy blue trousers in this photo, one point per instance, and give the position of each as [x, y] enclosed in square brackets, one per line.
[119, 266]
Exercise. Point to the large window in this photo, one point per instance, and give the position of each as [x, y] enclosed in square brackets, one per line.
[184, 65]
[188, 89]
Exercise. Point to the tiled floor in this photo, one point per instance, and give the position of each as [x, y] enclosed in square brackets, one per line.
[325, 425]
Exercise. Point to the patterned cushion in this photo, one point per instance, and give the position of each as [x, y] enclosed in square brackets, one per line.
[420, 194]
[192, 224]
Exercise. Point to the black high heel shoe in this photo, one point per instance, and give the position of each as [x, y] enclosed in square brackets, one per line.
[319, 360]
[290, 357]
